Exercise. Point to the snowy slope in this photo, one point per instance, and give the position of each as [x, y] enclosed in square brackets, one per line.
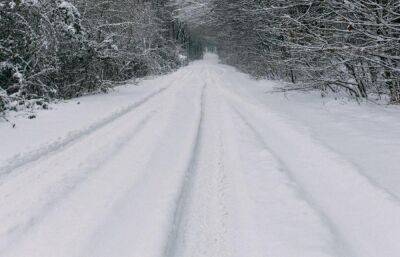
[202, 162]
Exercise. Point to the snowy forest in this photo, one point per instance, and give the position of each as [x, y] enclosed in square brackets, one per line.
[57, 49]
[63, 49]
[333, 45]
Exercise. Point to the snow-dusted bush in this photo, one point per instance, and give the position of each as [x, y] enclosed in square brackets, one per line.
[48, 49]
[37, 39]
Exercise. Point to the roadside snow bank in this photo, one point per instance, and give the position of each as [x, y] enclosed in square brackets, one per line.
[66, 120]
[367, 134]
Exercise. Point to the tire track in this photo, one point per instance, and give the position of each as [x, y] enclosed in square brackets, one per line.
[185, 190]
[19, 161]
[343, 247]
[352, 215]
[90, 164]
[235, 97]
[139, 220]
[200, 223]
[16, 233]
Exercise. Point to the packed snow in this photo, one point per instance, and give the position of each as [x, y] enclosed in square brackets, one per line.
[201, 162]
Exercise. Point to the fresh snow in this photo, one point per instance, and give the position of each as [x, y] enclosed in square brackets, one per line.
[202, 162]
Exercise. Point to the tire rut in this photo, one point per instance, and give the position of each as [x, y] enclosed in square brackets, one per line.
[19, 161]
[17, 232]
[185, 190]
[341, 245]
[234, 98]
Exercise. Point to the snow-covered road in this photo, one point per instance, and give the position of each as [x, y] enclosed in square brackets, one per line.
[195, 167]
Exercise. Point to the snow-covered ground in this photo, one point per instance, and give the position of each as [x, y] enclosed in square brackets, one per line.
[202, 162]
